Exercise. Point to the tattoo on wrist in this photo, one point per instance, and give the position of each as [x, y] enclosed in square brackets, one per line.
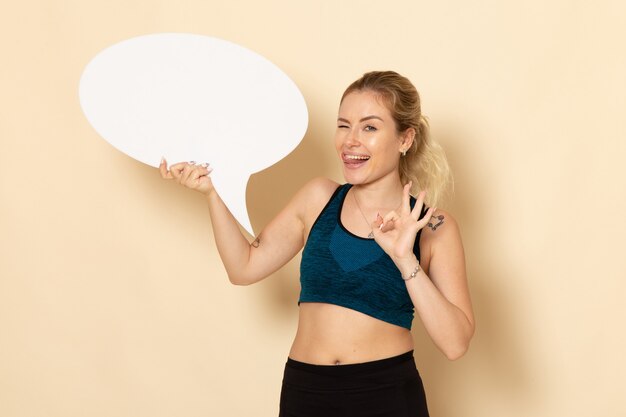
[435, 222]
[255, 242]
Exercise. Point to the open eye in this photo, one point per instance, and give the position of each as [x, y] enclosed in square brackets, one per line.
[370, 128]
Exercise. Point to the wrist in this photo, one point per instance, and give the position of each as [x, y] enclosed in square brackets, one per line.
[413, 273]
[407, 265]
[210, 194]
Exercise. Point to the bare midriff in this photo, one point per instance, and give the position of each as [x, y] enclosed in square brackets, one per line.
[333, 335]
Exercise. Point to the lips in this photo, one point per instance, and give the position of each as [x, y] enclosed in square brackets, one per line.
[353, 160]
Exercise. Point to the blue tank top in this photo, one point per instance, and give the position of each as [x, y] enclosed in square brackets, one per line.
[341, 268]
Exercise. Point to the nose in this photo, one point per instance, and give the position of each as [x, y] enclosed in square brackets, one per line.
[351, 138]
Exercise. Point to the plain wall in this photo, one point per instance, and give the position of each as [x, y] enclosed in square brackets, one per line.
[113, 300]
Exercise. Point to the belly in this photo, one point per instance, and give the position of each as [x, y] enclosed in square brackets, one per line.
[331, 335]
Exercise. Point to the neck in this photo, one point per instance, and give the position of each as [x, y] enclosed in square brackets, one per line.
[385, 193]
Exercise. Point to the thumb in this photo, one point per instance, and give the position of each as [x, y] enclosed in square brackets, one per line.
[165, 173]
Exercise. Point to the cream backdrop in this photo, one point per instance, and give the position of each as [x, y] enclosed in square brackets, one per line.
[113, 300]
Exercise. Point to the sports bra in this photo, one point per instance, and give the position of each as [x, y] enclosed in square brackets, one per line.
[341, 268]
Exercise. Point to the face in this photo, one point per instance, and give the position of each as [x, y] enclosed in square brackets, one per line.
[367, 140]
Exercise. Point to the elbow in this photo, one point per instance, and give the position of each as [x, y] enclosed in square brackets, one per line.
[456, 350]
[238, 280]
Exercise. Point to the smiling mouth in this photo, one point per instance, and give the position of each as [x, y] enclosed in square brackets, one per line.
[354, 159]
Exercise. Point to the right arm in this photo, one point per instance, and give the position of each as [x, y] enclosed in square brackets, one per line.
[282, 238]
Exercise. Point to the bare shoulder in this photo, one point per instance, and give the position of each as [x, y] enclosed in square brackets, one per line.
[441, 223]
[320, 187]
[303, 208]
[317, 189]
[441, 230]
[310, 196]
[442, 248]
[313, 196]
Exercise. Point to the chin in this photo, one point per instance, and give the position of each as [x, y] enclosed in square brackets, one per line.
[351, 178]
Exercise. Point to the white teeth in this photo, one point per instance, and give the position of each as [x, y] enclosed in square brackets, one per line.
[359, 157]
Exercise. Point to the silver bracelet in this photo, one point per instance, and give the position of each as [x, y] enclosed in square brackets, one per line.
[414, 273]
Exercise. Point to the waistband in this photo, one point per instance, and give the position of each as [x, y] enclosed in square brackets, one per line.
[351, 368]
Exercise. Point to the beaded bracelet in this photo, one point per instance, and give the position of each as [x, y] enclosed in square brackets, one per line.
[414, 273]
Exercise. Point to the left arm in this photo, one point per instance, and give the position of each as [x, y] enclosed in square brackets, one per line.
[441, 298]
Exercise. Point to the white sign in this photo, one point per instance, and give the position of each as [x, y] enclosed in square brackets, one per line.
[190, 97]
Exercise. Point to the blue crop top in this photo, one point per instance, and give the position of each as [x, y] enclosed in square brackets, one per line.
[341, 268]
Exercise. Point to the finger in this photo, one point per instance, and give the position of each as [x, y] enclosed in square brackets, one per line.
[424, 221]
[377, 224]
[419, 204]
[165, 173]
[198, 172]
[392, 215]
[176, 170]
[183, 172]
[406, 198]
[205, 169]
[188, 173]
[388, 221]
[387, 226]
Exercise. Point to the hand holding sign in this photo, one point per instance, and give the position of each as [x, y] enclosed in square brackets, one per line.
[195, 98]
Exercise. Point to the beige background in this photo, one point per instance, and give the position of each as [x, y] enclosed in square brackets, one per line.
[113, 301]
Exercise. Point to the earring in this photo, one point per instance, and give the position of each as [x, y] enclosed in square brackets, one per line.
[404, 152]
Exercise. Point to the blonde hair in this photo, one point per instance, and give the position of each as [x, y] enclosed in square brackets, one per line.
[425, 162]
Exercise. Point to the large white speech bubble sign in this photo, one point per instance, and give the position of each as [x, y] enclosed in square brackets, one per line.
[196, 98]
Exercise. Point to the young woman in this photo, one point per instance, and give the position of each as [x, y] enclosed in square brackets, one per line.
[373, 255]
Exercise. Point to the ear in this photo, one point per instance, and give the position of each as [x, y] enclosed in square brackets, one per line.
[406, 139]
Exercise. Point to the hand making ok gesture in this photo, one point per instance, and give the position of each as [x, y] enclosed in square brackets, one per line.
[396, 231]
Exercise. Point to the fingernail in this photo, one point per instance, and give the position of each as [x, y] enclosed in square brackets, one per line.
[205, 165]
[192, 162]
[162, 160]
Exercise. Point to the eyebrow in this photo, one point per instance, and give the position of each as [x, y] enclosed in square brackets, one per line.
[341, 119]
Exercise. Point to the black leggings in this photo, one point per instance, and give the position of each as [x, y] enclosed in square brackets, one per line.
[388, 387]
